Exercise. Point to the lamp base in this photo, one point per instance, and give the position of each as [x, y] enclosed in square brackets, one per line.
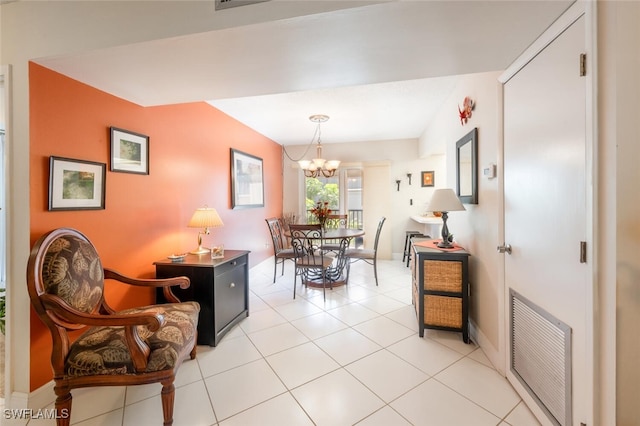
[200, 250]
[445, 244]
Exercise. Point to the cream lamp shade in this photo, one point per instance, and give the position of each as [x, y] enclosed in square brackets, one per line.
[445, 201]
[204, 218]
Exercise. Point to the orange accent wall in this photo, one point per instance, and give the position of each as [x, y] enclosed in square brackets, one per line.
[145, 216]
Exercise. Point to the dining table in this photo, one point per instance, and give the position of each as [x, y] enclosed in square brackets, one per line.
[335, 234]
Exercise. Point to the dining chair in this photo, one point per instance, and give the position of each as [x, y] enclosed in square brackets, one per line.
[334, 221]
[280, 250]
[368, 255]
[311, 263]
[135, 346]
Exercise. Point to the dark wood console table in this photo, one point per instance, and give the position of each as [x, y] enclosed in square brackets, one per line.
[220, 286]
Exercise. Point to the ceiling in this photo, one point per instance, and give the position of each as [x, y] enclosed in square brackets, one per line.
[379, 71]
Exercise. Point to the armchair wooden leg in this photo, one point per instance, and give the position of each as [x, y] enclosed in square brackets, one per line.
[63, 405]
[168, 395]
[192, 354]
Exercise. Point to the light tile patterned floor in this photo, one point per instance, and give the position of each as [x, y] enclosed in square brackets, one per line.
[354, 359]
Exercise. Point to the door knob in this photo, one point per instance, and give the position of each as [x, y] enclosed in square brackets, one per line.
[505, 248]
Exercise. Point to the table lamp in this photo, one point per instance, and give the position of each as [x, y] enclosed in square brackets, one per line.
[204, 218]
[445, 201]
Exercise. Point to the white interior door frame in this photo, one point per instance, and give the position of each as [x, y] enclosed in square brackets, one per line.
[5, 78]
[577, 10]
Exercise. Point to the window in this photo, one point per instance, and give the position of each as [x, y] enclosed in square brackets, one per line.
[322, 189]
[343, 192]
[354, 198]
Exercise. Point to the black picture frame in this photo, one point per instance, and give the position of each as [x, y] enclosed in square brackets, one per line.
[129, 151]
[76, 184]
[467, 168]
[247, 180]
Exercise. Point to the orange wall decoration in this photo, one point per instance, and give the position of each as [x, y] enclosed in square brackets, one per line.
[145, 216]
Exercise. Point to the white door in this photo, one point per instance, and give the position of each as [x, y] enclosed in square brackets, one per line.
[545, 201]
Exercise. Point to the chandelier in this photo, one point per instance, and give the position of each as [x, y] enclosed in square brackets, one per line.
[319, 166]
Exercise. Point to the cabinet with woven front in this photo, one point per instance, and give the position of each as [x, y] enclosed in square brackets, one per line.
[440, 287]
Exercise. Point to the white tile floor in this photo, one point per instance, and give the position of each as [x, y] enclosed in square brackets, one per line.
[354, 359]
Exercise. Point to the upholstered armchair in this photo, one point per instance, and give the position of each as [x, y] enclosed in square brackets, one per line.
[65, 279]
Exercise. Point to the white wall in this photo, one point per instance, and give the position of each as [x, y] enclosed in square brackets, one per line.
[476, 229]
[619, 200]
[401, 156]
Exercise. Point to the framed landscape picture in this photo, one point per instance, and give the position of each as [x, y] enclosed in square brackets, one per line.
[76, 184]
[247, 186]
[129, 152]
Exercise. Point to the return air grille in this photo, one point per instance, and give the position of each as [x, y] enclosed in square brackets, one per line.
[541, 357]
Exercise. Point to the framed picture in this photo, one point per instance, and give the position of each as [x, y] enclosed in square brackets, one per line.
[129, 152]
[428, 178]
[76, 184]
[247, 186]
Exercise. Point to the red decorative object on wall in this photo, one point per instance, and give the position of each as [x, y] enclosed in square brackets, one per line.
[465, 113]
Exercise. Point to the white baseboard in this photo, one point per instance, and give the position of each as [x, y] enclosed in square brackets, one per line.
[42, 397]
[490, 352]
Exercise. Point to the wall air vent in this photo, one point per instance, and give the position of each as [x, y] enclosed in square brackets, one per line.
[541, 357]
[226, 4]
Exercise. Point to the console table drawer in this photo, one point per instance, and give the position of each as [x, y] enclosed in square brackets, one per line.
[229, 290]
[443, 311]
[443, 275]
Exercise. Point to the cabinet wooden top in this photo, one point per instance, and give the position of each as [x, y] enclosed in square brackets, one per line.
[435, 250]
[204, 260]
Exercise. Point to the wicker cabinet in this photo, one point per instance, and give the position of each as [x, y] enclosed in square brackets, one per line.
[440, 283]
[220, 286]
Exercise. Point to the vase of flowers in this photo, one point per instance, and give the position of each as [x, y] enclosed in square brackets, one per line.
[321, 211]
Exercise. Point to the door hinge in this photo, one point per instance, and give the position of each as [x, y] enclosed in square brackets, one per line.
[583, 64]
[583, 252]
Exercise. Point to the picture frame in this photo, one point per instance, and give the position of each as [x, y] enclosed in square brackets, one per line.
[428, 178]
[129, 152]
[76, 184]
[247, 180]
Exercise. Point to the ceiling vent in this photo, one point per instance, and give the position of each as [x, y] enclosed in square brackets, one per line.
[226, 4]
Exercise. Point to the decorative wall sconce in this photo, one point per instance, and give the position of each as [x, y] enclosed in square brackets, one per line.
[409, 176]
[398, 183]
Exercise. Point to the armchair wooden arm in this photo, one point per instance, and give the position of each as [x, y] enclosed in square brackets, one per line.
[166, 283]
[69, 317]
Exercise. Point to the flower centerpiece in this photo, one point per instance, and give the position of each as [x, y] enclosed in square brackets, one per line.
[321, 211]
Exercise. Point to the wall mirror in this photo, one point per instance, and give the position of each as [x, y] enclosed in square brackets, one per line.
[467, 167]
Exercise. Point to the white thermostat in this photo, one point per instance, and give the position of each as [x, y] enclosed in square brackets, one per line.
[490, 171]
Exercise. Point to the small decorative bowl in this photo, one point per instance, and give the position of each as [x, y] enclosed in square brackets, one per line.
[177, 257]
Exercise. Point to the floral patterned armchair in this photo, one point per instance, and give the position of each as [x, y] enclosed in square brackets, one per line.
[142, 345]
